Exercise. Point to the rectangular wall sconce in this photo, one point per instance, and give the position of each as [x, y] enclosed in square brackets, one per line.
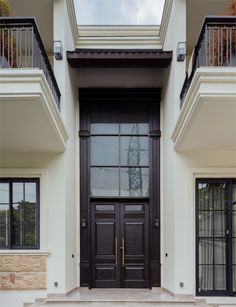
[58, 50]
[181, 51]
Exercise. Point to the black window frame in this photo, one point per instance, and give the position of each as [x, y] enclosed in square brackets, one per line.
[229, 182]
[11, 181]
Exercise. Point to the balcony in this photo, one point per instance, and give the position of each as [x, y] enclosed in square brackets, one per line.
[208, 97]
[29, 94]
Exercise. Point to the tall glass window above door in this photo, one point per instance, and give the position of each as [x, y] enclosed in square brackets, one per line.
[119, 152]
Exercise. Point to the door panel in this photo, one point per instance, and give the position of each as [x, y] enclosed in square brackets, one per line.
[104, 245]
[120, 245]
[134, 232]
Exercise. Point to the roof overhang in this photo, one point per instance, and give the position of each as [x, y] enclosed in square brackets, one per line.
[108, 58]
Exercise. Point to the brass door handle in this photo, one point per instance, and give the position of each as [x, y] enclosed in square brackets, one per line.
[123, 252]
[116, 244]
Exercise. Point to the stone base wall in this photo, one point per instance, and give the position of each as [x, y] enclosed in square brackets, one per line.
[22, 272]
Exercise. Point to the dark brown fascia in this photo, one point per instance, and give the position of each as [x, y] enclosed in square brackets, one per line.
[108, 58]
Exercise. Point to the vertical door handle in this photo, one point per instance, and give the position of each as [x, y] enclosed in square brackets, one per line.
[116, 246]
[123, 252]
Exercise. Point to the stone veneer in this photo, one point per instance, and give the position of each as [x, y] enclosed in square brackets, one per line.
[22, 272]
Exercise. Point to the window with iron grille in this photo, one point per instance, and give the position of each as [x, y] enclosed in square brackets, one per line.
[216, 236]
[19, 213]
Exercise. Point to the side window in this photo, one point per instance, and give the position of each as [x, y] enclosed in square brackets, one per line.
[19, 213]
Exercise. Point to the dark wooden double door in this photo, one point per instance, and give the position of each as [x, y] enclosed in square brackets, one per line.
[120, 247]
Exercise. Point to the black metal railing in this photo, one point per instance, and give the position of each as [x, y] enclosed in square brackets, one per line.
[21, 47]
[216, 47]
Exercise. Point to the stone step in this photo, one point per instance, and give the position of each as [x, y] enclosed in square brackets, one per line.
[119, 304]
[157, 297]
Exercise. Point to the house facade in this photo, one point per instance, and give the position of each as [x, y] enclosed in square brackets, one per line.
[118, 153]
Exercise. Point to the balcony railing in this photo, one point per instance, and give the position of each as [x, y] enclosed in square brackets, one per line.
[216, 47]
[21, 47]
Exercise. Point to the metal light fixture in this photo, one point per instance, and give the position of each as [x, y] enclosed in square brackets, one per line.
[83, 223]
[181, 51]
[58, 50]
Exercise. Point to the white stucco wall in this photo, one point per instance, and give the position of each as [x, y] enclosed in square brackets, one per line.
[171, 233]
[179, 173]
[57, 174]
[66, 81]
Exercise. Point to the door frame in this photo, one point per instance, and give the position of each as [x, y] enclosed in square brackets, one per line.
[145, 96]
[228, 181]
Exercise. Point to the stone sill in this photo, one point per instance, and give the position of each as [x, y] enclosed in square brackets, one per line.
[25, 252]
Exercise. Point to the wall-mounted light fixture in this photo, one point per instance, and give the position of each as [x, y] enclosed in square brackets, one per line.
[181, 51]
[58, 50]
[83, 223]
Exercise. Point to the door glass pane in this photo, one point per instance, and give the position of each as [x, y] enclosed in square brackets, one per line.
[219, 224]
[219, 251]
[212, 196]
[4, 226]
[234, 211]
[4, 193]
[206, 277]
[234, 278]
[104, 181]
[104, 120]
[134, 182]
[104, 151]
[205, 226]
[134, 151]
[18, 192]
[206, 251]
[234, 251]
[219, 277]
[219, 196]
[234, 224]
[134, 120]
[234, 196]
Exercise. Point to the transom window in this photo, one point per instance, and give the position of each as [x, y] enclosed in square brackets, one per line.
[119, 159]
[19, 213]
[216, 236]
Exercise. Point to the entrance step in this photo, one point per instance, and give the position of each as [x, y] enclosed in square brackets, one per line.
[119, 304]
[120, 298]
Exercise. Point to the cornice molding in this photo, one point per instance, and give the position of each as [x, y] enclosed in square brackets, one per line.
[72, 20]
[123, 31]
[119, 37]
[165, 20]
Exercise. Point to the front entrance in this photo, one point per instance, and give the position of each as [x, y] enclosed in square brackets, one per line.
[120, 187]
[120, 249]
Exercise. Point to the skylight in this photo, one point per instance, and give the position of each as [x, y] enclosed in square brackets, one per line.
[119, 12]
